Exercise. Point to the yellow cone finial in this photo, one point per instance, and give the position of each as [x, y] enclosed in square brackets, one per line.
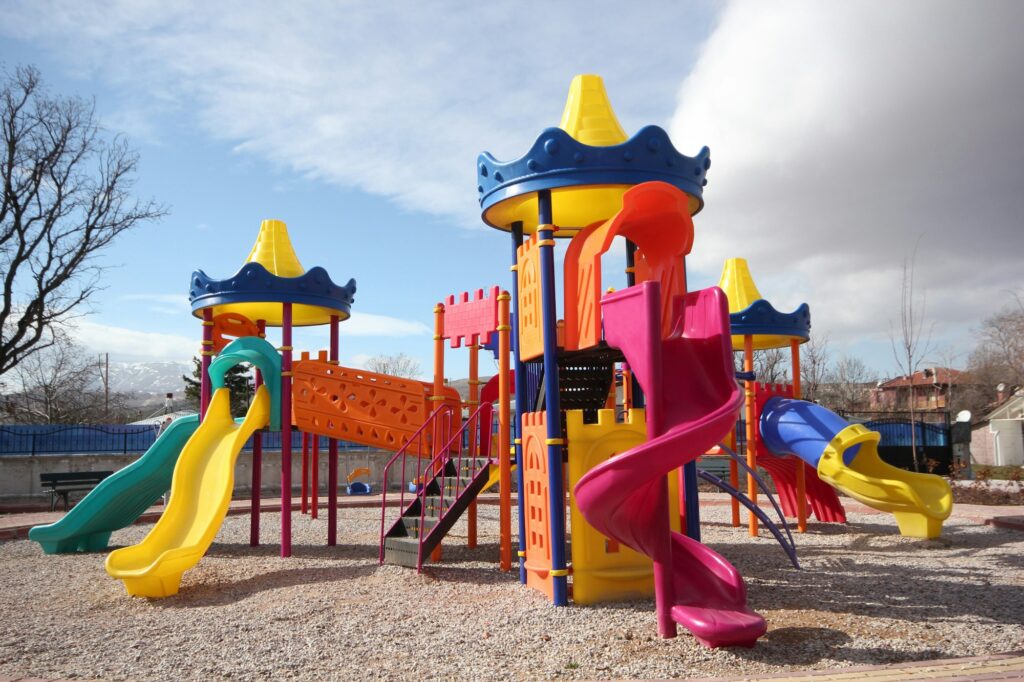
[738, 285]
[273, 250]
[588, 114]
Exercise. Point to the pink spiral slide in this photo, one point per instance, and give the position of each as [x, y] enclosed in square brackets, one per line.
[692, 402]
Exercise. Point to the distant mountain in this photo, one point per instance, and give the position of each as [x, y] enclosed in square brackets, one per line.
[154, 378]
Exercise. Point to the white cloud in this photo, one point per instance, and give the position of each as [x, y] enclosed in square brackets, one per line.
[397, 103]
[368, 324]
[165, 304]
[132, 345]
[841, 134]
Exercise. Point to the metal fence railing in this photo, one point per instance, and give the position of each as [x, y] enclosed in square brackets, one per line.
[32, 439]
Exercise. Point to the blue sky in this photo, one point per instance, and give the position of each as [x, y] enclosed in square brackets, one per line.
[841, 136]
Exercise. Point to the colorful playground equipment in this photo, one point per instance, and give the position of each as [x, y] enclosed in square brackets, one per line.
[628, 482]
[586, 181]
[779, 425]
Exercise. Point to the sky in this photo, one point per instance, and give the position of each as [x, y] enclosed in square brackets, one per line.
[843, 137]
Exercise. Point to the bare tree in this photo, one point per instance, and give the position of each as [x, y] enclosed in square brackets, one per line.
[814, 359]
[771, 366]
[65, 198]
[850, 384]
[400, 365]
[59, 384]
[911, 342]
[1002, 337]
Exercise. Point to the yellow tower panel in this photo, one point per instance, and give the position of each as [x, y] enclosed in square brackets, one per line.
[603, 570]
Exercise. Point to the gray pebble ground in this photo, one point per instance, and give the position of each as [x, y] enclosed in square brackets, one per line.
[865, 596]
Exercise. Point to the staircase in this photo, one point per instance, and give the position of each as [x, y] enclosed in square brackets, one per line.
[444, 489]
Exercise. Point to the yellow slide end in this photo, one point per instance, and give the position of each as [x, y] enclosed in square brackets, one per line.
[201, 487]
[495, 477]
[920, 502]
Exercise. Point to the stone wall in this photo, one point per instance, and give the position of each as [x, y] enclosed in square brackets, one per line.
[19, 474]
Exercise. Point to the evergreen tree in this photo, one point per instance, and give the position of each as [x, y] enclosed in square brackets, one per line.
[238, 379]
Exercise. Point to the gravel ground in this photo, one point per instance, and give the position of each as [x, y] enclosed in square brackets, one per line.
[865, 596]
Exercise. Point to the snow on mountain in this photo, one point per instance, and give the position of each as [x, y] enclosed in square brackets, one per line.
[148, 377]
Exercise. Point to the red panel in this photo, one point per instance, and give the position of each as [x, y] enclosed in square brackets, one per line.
[471, 321]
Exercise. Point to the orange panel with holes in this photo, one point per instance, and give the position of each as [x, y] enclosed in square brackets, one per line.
[531, 326]
[537, 503]
[363, 407]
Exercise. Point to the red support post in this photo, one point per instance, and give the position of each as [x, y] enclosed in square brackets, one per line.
[314, 470]
[257, 463]
[205, 354]
[304, 486]
[286, 429]
[332, 456]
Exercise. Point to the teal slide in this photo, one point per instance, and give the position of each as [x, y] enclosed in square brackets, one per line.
[120, 498]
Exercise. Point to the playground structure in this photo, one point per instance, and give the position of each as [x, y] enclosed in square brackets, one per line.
[827, 452]
[628, 487]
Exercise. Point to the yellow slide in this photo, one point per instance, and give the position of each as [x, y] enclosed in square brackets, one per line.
[200, 494]
[920, 502]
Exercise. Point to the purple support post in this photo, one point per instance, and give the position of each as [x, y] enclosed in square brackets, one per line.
[257, 463]
[286, 429]
[332, 456]
[205, 388]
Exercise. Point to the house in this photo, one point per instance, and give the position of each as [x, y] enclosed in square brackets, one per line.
[998, 438]
[932, 390]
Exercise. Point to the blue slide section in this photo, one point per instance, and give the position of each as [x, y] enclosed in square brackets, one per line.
[797, 427]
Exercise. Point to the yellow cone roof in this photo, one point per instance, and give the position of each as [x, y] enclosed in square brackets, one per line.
[588, 114]
[273, 250]
[313, 296]
[738, 285]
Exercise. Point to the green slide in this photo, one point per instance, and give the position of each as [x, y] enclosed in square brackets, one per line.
[120, 498]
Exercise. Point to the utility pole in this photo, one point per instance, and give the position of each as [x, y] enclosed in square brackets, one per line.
[104, 367]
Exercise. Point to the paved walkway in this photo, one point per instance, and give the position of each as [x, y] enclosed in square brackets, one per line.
[1009, 666]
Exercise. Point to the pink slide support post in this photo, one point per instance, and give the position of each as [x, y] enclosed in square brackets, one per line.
[692, 403]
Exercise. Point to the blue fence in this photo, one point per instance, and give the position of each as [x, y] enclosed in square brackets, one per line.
[31, 439]
[898, 433]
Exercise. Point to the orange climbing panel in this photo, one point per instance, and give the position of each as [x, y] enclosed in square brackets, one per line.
[373, 409]
[656, 217]
[537, 503]
[471, 321]
[230, 326]
[531, 327]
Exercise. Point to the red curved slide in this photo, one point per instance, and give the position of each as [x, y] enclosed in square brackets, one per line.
[692, 402]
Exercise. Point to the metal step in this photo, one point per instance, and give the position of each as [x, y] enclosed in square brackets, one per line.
[401, 551]
[412, 524]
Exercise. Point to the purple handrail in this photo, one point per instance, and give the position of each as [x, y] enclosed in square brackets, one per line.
[439, 458]
[416, 437]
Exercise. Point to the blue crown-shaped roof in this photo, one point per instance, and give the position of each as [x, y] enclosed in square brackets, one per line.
[556, 159]
[255, 284]
[760, 317]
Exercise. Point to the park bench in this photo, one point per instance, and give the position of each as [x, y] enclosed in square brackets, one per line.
[62, 484]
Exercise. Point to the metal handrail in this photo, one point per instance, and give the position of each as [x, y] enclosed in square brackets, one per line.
[416, 437]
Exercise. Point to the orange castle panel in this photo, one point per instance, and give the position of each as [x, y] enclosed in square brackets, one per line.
[537, 503]
[531, 326]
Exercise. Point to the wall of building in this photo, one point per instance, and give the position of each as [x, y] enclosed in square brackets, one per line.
[19, 474]
[998, 443]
